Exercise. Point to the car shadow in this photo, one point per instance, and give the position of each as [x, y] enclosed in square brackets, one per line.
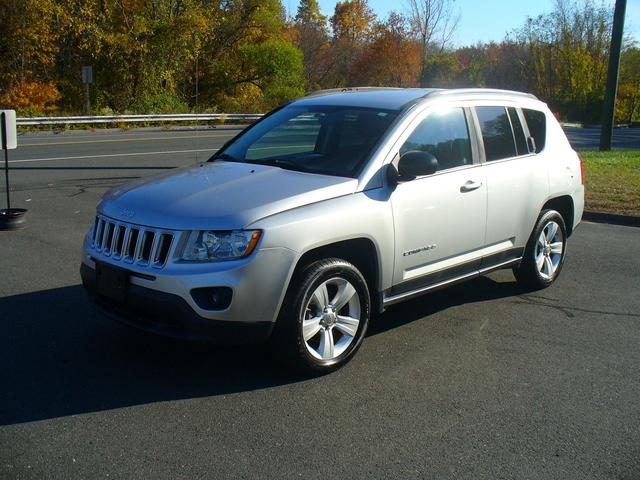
[478, 290]
[61, 357]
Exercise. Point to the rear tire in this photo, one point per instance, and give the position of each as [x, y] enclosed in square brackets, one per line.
[324, 317]
[545, 251]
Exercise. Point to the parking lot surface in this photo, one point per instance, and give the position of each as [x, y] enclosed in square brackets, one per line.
[483, 380]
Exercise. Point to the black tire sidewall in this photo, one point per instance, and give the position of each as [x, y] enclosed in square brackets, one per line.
[528, 271]
[311, 277]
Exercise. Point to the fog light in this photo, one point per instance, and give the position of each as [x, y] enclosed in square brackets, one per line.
[212, 298]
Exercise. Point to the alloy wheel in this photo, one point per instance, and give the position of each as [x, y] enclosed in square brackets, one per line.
[549, 248]
[331, 319]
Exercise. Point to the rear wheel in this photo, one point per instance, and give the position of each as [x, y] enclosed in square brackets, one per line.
[545, 251]
[324, 317]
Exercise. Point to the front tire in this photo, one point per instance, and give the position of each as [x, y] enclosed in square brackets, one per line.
[545, 251]
[324, 317]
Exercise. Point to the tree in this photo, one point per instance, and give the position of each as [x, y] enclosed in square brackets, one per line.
[28, 47]
[567, 53]
[149, 55]
[391, 58]
[433, 24]
[628, 102]
[352, 25]
[312, 38]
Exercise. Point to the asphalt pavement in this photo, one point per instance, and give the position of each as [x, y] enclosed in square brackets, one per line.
[483, 380]
[590, 137]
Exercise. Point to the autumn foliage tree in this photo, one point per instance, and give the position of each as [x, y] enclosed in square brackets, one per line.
[148, 55]
[311, 35]
[352, 25]
[156, 56]
[390, 57]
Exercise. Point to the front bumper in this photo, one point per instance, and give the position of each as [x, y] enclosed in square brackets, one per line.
[160, 300]
[170, 315]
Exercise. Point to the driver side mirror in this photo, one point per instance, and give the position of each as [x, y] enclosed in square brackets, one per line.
[416, 163]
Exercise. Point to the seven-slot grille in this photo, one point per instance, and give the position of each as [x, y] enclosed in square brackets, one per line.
[130, 243]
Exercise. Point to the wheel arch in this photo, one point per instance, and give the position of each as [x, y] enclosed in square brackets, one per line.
[360, 251]
[564, 206]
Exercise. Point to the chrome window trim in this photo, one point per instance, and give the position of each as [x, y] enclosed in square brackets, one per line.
[483, 155]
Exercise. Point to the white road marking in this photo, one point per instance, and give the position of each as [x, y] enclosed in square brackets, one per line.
[138, 139]
[112, 155]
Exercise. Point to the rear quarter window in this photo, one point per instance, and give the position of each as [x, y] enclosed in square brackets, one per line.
[497, 134]
[537, 123]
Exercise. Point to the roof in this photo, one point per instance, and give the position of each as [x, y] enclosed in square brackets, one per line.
[382, 98]
[387, 98]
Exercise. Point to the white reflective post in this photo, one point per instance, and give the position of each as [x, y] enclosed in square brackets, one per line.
[9, 141]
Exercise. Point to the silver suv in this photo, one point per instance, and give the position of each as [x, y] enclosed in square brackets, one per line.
[333, 207]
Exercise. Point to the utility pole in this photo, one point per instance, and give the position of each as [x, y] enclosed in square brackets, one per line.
[612, 78]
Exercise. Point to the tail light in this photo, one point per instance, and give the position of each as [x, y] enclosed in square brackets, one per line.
[581, 169]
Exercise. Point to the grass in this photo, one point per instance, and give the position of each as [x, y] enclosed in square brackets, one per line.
[612, 180]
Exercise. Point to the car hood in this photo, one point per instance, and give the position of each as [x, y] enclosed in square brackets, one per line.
[218, 195]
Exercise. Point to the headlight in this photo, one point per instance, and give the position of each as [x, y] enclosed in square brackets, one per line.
[205, 246]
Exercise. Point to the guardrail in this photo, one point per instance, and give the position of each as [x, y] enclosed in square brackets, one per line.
[186, 117]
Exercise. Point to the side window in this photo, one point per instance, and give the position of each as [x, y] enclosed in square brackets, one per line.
[445, 135]
[537, 123]
[496, 133]
[518, 132]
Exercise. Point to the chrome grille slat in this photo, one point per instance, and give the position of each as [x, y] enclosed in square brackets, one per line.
[118, 241]
[138, 250]
[105, 235]
[154, 248]
[97, 232]
[131, 243]
[114, 239]
[147, 239]
[125, 241]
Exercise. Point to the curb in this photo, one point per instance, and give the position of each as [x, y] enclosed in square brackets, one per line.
[611, 218]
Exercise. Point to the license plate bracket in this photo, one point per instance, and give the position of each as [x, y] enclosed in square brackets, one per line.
[112, 282]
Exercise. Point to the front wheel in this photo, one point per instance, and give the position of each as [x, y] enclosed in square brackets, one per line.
[545, 251]
[324, 317]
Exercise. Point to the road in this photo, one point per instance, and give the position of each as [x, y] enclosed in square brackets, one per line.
[483, 380]
[590, 137]
[45, 158]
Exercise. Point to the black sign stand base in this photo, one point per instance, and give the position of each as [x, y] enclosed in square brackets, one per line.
[11, 218]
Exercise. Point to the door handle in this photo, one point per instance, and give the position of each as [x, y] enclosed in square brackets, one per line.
[470, 186]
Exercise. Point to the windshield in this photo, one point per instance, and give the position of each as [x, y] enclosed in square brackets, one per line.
[328, 140]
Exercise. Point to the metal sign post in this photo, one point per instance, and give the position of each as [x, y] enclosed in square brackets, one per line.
[87, 78]
[10, 218]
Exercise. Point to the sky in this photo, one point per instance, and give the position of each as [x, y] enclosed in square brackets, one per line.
[486, 20]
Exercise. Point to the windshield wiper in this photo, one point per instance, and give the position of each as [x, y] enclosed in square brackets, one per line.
[289, 165]
[225, 157]
[281, 163]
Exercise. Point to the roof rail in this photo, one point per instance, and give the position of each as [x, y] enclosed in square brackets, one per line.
[328, 91]
[481, 91]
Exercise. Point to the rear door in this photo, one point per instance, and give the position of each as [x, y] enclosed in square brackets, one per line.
[516, 181]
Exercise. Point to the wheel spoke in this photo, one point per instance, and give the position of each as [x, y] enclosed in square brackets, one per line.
[540, 261]
[347, 325]
[326, 344]
[310, 328]
[548, 267]
[542, 239]
[345, 292]
[321, 296]
[556, 247]
[552, 229]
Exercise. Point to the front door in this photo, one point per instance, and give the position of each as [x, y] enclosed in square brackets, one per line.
[440, 219]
